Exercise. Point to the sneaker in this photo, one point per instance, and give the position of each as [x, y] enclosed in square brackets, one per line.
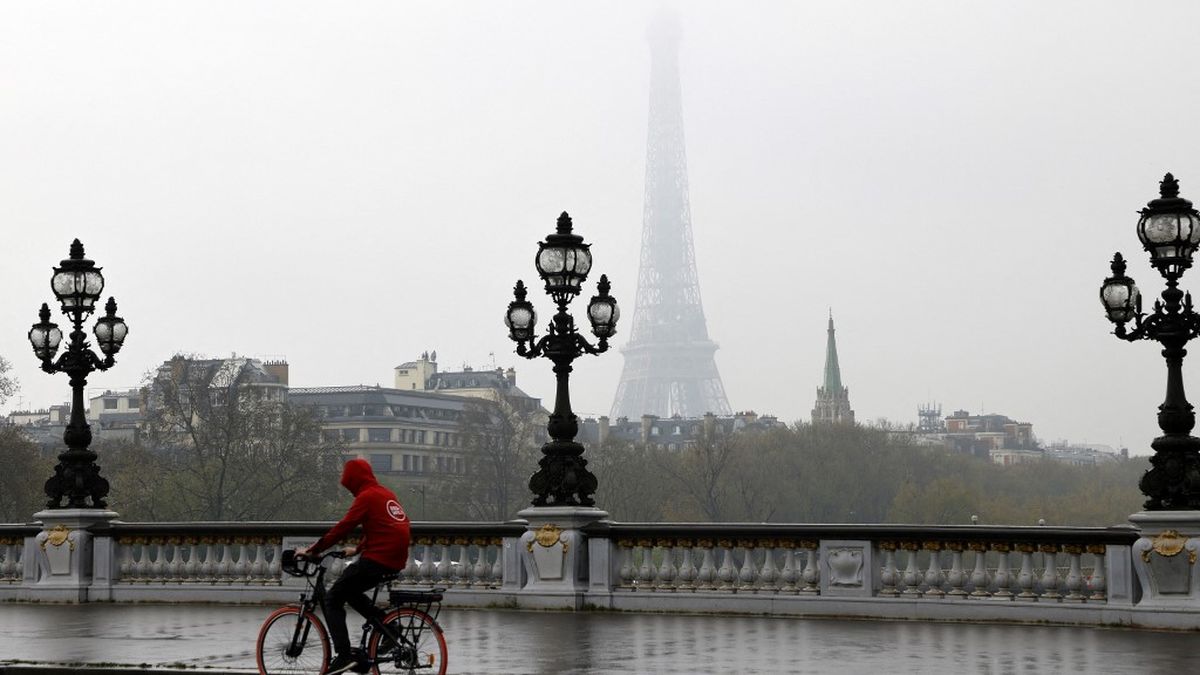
[341, 664]
[360, 660]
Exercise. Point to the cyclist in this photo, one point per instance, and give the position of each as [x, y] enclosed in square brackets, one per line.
[383, 551]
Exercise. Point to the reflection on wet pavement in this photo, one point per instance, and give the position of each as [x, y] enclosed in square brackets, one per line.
[505, 641]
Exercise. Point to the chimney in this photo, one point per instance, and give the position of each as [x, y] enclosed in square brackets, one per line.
[603, 426]
[511, 376]
[647, 422]
[277, 370]
[710, 425]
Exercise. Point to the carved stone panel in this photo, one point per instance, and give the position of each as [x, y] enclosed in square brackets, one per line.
[847, 568]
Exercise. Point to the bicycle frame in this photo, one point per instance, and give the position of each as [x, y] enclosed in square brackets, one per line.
[316, 582]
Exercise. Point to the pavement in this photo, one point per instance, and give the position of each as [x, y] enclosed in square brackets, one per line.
[37, 639]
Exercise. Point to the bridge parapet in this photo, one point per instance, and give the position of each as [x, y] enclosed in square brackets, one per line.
[1073, 575]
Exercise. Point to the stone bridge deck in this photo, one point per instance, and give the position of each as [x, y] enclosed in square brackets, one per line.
[509, 641]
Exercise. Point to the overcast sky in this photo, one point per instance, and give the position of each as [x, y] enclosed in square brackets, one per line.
[349, 184]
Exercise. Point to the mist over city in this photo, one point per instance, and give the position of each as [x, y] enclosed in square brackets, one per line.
[788, 309]
[349, 187]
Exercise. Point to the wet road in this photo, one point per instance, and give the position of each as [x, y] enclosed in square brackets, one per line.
[495, 641]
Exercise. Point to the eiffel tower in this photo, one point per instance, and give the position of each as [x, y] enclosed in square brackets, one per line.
[669, 365]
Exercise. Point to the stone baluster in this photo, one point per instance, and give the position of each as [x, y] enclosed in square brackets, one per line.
[225, 568]
[212, 556]
[158, 568]
[126, 567]
[258, 569]
[427, 567]
[175, 569]
[747, 574]
[812, 573]
[191, 567]
[956, 577]
[912, 575]
[664, 576]
[411, 571]
[498, 562]
[979, 576]
[463, 570]
[1074, 574]
[1097, 583]
[9, 567]
[727, 573]
[1003, 575]
[645, 574]
[482, 572]
[708, 567]
[686, 581]
[143, 563]
[1050, 572]
[627, 572]
[768, 575]
[275, 568]
[445, 567]
[241, 569]
[889, 576]
[1025, 578]
[790, 574]
[934, 577]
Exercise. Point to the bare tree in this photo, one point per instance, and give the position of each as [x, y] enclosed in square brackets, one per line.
[233, 448]
[502, 438]
[8, 384]
[21, 480]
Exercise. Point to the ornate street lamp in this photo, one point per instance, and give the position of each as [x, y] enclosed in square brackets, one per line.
[1170, 232]
[77, 284]
[563, 262]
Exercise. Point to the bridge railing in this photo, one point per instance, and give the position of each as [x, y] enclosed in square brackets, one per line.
[914, 562]
[1080, 575]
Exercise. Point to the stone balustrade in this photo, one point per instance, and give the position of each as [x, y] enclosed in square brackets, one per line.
[1078, 575]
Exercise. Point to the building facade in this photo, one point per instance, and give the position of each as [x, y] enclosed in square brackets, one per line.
[671, 433]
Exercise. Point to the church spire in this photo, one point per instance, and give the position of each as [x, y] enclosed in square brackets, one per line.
[833, 399]
[833, 374]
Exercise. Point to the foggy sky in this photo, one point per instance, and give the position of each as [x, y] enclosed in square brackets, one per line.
[350, 184]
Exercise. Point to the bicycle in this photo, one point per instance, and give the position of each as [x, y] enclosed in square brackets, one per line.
[404, 638]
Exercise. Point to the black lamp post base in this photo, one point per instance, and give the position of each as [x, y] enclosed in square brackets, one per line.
[1173, 481]
[563, 479]
[77, 480]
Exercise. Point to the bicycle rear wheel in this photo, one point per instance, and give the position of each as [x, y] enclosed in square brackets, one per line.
[292, 643]
[422, 647]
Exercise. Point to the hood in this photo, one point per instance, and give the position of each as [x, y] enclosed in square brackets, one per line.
[356, 475]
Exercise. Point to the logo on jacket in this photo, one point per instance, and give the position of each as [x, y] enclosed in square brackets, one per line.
[394, 510]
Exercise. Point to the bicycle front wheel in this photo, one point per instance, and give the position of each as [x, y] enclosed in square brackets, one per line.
[292, 641]
[422, 647]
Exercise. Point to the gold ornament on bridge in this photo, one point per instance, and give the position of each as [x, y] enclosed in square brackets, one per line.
[1168, 544]
[547, 536]
[57, 536]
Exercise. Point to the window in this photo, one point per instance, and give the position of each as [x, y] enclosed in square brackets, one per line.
[421, 437]
[437, 438]
[459, 466]
[350, 435]
[379, 435]
[331, 435]
[135, 402]
[407, 463]
[381, 462]
[441, 463]
[110, 404]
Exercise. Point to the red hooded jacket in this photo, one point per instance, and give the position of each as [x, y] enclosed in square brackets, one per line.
[385, 525]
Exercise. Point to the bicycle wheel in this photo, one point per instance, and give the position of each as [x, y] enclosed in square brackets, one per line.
[422, 646]
[291, 643]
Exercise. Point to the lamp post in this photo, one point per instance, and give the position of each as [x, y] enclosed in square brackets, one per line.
[77, 284]
[563, 262]
[1169, 229]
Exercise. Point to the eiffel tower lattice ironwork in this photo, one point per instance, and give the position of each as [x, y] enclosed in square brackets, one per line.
[669, 365]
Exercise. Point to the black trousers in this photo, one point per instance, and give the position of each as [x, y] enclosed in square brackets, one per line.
[351, 589]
